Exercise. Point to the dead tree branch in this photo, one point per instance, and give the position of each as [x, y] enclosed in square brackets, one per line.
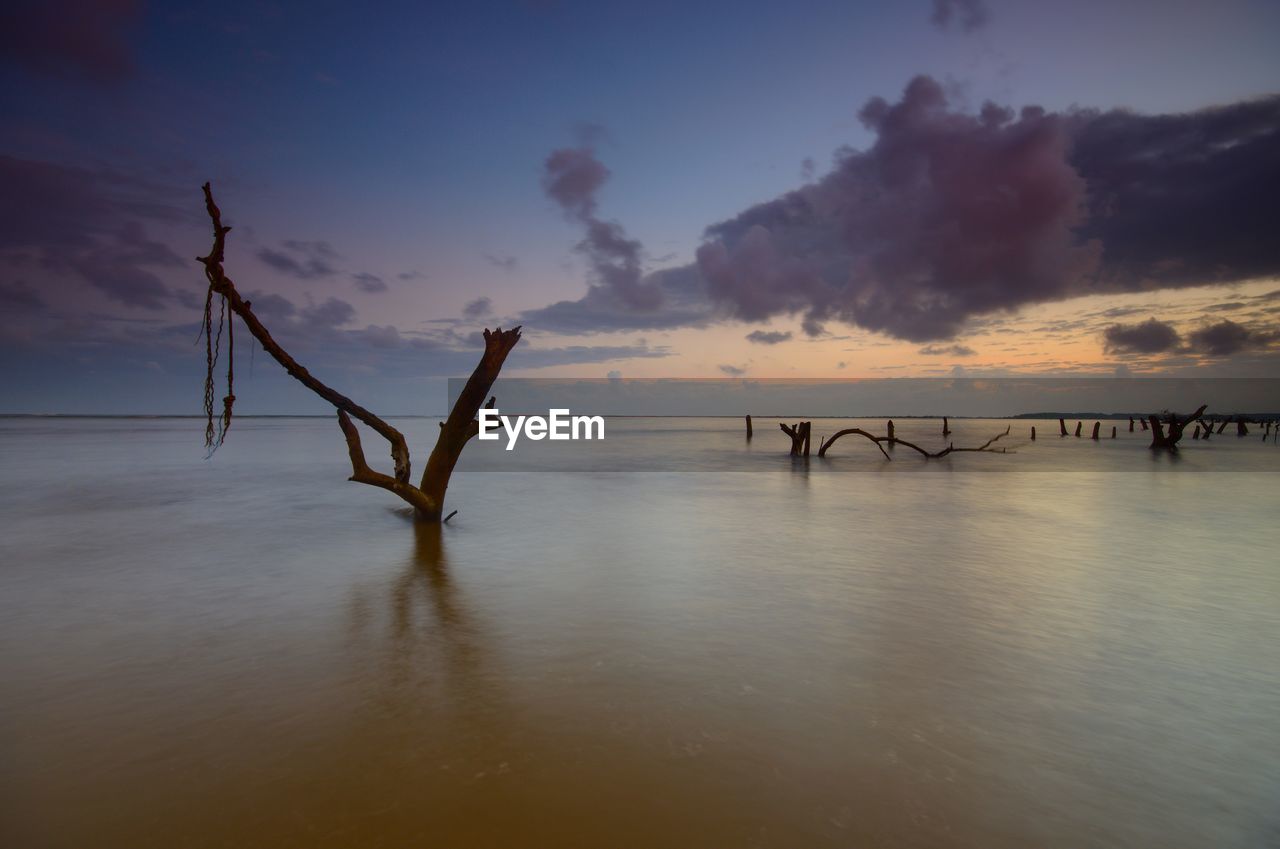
[1159, 439]
[426, 499]
[928, 455]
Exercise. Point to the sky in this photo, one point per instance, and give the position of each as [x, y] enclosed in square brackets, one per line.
[761, 190]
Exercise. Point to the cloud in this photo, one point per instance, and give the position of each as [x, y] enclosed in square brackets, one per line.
[770, 337]
[947, 351]
[733, 371]
[83, 225]
[684, 304]
[19, 297]
[970, 14]
[1150, 337]
[370, 283]
[504, 261]
[950, 216]
[478, 308]
[304, 260]
[1227, 337]
[946, 216]
[332, 313]
[571, 177]
[84, 38]
[1182, 200]
[382, 336]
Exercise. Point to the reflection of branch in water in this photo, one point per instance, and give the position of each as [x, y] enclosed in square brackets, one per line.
[431, 648]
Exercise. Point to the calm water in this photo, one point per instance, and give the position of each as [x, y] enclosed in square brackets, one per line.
[1077, 645]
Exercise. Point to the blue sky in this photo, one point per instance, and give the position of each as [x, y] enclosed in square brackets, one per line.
[409, 142]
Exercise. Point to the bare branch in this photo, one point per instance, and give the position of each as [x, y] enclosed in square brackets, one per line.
[222, 285]
[928, 455]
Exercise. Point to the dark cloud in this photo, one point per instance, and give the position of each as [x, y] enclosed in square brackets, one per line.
[733, 371]
[382, 336]
[411, 275]
[768, 337]
[1150, 337]
[332, 313]
[504, 261]
[1182, 200]
[84, 225]
[684, 304]
[970, 14]
[947, 351]
[370, 283]
[19, 297]
[950, 217]
[86, 38]
[301, 259]
[1227, 337]
[947, 215]
[571, 177]
[478, 308]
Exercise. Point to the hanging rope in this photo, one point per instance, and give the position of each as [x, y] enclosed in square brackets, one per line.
[214, 436]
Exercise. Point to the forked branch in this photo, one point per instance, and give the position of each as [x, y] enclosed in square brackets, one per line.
[427, 499]
[895, 440]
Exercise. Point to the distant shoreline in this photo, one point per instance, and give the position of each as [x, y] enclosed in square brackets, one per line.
[1092, 416]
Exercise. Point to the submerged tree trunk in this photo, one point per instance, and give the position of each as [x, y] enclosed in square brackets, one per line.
[426, 499]
[1159, 439]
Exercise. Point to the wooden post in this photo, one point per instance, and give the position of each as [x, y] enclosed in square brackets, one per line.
[890, 429]
[1130, 424]
[1113, 431]
[946, 428]
[808, 428]
[1079, 427]
[748, 427]
[1033, 433]
[1063, 426]
[1241, 430]
[1096, 427]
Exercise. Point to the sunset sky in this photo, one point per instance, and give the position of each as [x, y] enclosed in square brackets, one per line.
[977, 187]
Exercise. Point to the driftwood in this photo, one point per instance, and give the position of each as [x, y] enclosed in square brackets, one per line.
[1130, 424]
[799, 434]
[893, 440]
[1159, 439]
[427, 498]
